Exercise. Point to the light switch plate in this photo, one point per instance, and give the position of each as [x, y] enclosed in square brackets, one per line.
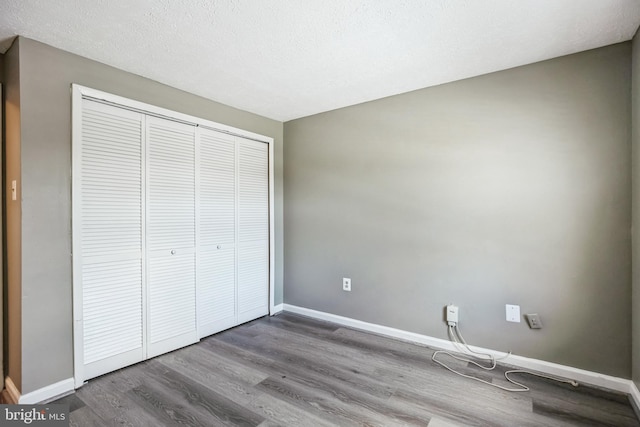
[513, 313]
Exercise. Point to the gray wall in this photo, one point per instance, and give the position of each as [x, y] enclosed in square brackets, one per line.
[512, 187]
[46, 74]
[635, 173]
[13, 214]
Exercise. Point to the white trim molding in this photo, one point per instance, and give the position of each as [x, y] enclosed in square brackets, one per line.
[276, 309]
[634, 395]
[48, 393]
[44, 394]
[580, 375]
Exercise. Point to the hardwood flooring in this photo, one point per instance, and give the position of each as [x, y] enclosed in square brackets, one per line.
[290, 370]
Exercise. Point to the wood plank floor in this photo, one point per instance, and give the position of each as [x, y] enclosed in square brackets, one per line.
[290, 370]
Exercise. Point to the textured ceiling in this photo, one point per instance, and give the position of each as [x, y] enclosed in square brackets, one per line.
[286, 59]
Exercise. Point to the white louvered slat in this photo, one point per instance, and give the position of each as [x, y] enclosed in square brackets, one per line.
[170, 235]
[216, 293]
[171, 178]
[171, 297]
[253, 230]
[111, 182]
[112, 309]
[253, 273]
[253, 181]
[216, 262]
[110, 253]
[217, 188]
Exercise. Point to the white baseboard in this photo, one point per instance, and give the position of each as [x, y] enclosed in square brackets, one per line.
[582, 376]
[277, 309]
[579, 375]
[634, 394]
[47, 393]
[12, 391]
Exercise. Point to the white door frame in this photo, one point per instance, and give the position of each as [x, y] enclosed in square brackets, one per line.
[79, 92]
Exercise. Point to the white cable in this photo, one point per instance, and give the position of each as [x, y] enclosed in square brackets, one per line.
[491, 357]
[454, 330]
[455, 333]
[454, 340]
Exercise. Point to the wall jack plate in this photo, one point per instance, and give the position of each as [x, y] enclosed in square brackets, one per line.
[513, 313]
[452, 315]
[533, 320]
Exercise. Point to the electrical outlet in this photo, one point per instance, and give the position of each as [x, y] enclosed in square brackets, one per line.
[513, 313]
[533, 320]
[346, 284]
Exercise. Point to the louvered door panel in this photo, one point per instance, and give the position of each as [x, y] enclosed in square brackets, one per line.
[172, 312]
[171, 184]
[217, 291]
[109, 188]
[253, 229]
[216, 260]
[217, 189]
[170, 234]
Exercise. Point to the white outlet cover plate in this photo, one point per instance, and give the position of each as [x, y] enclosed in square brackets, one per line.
[513, 313]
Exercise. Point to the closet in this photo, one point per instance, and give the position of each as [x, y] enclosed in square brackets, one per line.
[171, 231]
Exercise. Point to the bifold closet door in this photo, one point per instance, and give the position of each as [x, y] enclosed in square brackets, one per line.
[170, 231]
[217, 243]
[253, 229]
[233, 260]
[108, 186]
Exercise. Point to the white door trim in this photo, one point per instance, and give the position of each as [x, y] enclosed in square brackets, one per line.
[78, 323]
